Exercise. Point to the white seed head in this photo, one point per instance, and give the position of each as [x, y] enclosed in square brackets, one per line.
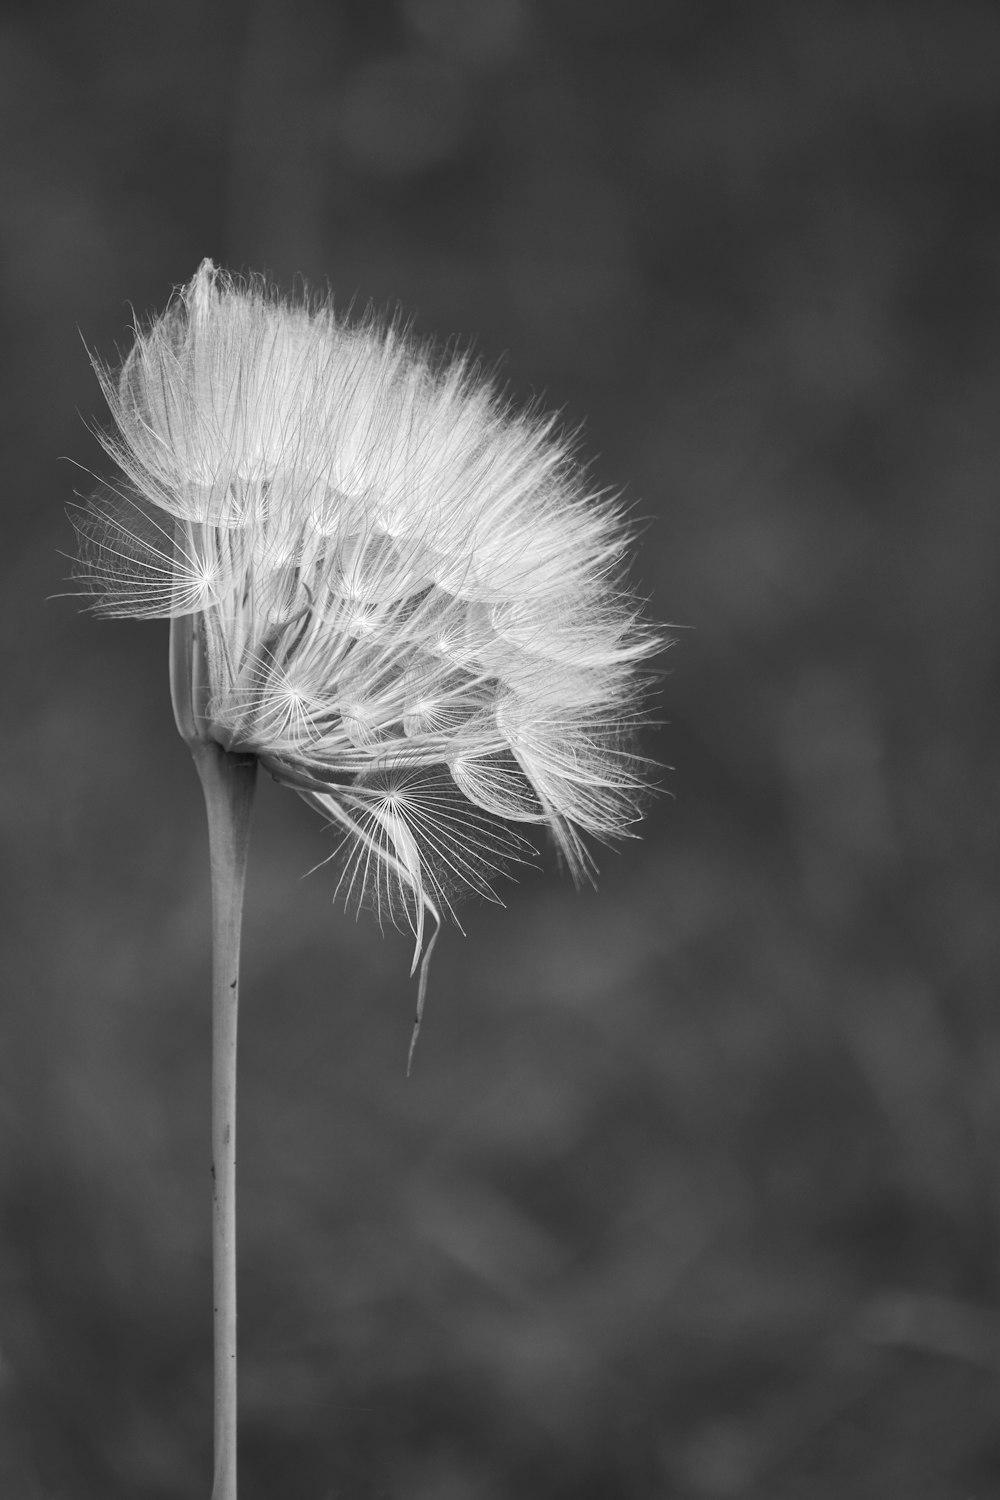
[410, 607]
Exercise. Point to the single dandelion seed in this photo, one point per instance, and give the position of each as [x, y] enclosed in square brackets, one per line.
[390, 591]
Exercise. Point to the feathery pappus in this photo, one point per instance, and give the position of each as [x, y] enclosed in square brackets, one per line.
[400, 596]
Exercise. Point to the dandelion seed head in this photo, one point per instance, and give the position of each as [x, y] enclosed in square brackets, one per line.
[410, 605]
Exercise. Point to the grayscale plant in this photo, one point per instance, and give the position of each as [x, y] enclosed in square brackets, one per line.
[386, 588]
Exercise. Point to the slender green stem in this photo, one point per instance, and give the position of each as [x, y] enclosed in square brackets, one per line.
[228, 783]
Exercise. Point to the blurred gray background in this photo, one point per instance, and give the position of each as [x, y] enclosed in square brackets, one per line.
[694, 1191]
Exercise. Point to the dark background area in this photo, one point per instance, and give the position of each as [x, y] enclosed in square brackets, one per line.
[694, 1192]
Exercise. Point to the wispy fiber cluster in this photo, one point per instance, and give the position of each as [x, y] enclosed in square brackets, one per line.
[405, 600]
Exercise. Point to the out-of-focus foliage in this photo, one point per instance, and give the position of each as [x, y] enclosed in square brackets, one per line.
[694, 1190]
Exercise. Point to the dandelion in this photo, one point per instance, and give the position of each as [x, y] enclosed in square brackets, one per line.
[389, 591]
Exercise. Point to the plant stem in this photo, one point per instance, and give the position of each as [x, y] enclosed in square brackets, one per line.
[228, 784]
